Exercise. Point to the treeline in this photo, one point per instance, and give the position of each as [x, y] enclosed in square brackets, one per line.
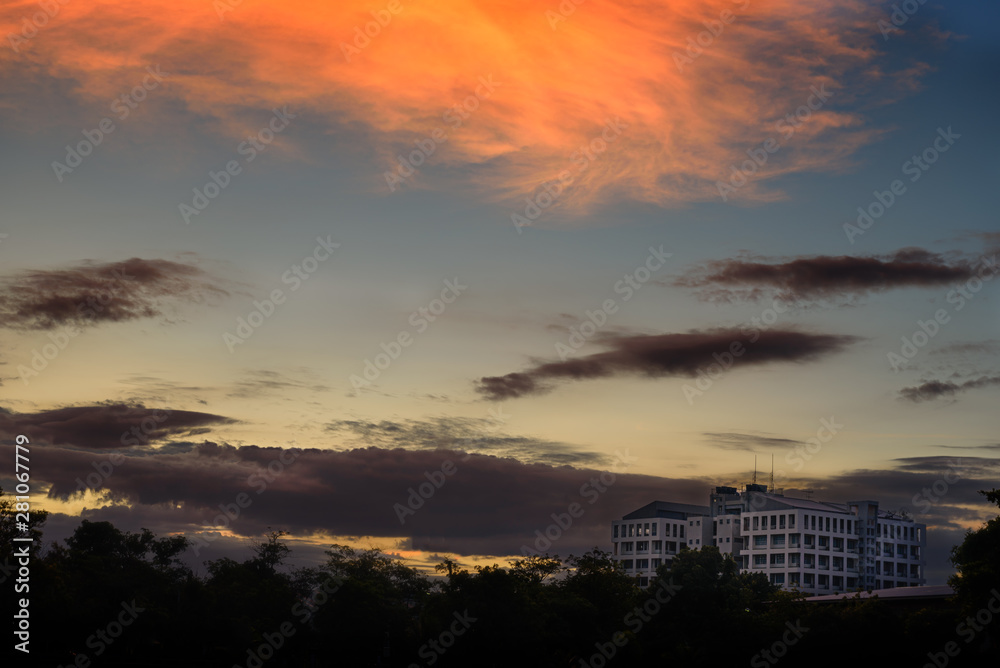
[111, 598]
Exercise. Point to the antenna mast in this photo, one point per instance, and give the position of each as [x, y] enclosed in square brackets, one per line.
[772, 472]
[755, 469]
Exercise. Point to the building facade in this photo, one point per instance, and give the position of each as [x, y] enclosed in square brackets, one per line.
[812, 546]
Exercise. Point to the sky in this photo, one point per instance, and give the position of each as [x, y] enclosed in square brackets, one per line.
[417, 275]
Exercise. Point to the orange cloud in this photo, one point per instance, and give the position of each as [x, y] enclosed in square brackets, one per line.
[696, 82]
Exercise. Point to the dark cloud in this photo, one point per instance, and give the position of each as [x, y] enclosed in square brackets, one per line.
[665, 355]
[824, 276]
[479, 435]
[92, 293]
[489, 505]
[748, 442]
[938, 389]
[105, 426]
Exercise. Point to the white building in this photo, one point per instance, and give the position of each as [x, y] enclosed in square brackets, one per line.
[812, 546]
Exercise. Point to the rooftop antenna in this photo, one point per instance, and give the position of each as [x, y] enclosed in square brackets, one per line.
[772, 472]
[755, 469]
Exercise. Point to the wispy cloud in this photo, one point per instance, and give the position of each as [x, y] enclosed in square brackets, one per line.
[478, 435]
[691, 112]
[939, 389]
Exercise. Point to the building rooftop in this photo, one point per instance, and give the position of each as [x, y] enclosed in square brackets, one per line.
[667, 509]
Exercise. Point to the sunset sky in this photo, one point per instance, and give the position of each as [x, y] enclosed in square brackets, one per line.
[365, 242]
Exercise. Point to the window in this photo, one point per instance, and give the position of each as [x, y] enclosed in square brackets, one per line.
[778, 540]
[627, 563]
[631, 530]
[727, 539]
[642, 546]
[657, 546]
[657, 562]
[824, 562]
[774, 521]
[654, 528]
[838, 544]
[756, 523]
[778, 559]
[760, 540]
[838, 582]
[824, 542]
[791, 521]
[793, 539]
[781, 522]
[793, 559]
[760, 560]
[728, 521]
[642, 564]
[838, 563]
[746, 524]
[682, 531]
[646, 529]
[675, 531]
[828, 524]
[814, 522]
